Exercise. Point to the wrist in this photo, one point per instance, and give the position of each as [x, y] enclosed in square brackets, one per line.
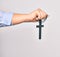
[28, 17]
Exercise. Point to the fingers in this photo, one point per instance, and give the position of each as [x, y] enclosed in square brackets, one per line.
[41, 14]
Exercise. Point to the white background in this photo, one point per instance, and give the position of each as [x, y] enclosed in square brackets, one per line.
[22, 40]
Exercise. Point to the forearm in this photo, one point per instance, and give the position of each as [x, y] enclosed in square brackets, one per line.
[19, 18]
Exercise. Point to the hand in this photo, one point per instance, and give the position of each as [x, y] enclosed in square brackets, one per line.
[37, 15]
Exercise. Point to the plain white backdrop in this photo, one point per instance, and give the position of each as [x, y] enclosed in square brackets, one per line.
[22, 40]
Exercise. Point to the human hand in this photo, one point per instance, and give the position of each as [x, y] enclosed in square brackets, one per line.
[37, 15]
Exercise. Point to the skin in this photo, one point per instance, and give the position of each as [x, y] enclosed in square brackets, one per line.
[33, 16]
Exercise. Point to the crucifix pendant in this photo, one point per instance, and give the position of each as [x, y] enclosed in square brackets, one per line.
[40, 28]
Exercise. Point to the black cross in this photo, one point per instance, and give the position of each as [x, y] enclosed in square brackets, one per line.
[40, 27]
